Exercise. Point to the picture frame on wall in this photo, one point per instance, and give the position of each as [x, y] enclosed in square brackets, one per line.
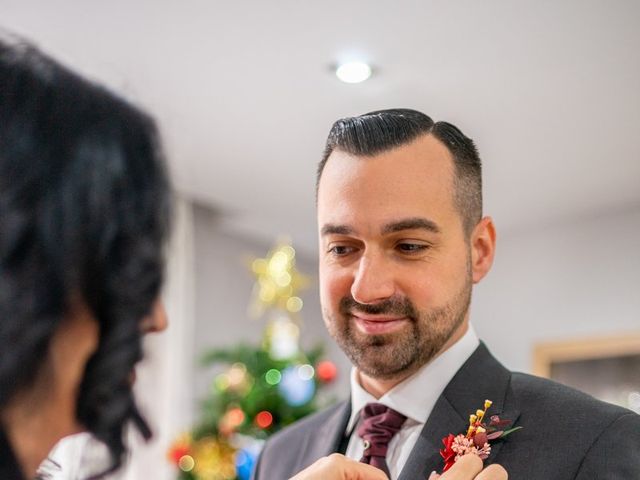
[606, 368]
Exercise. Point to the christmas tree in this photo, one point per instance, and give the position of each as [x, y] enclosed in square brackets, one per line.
[264, 387]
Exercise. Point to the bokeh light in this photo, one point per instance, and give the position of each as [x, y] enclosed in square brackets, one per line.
[186, 463]
[273, 377]
[264, 419]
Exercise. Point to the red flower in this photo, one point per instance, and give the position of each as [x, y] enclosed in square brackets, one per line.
[447, 453]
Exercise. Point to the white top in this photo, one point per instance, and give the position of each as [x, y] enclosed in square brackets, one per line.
[414, 397]
[77, 457]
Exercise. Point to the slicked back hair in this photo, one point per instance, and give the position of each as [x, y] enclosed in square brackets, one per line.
[84, 214]
[383, 130]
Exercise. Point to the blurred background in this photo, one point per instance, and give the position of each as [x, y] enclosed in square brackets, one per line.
[245, 93]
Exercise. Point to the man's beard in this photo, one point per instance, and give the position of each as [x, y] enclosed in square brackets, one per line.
[388, 356]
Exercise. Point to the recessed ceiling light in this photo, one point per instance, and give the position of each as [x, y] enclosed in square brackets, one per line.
[353, 72]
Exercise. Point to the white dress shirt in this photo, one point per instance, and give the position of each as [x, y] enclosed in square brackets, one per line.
[414, 397]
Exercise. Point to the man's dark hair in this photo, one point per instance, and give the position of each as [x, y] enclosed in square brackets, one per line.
[84, 214]
[383, 130]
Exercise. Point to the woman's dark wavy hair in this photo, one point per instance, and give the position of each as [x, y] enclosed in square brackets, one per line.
[84, 213]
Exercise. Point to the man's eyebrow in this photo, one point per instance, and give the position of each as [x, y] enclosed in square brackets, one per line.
[415, 223]
[331, 229]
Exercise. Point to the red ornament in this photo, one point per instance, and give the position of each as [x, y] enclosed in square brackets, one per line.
[326, 371]
[231, 420]
[264, 419]
[176, 452]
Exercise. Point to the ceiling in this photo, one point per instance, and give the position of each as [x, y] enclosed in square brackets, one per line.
[245, 94]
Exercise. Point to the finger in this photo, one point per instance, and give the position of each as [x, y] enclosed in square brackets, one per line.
[339, 467]
[434, 476]
[466, 468]
[493, 472]
[362, 471]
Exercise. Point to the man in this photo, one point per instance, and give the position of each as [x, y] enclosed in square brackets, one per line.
[402, 241]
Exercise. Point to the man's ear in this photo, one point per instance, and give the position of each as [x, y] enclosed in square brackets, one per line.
[483, 247]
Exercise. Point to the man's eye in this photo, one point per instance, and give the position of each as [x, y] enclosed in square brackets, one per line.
[340, 250]
[412, 247]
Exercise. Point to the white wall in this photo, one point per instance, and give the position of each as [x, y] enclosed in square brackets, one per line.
[564, 281]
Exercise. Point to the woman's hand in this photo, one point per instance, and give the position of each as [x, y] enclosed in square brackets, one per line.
[469, 467]
[339, 467]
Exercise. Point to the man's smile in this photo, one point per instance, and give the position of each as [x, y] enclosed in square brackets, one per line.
[378, 324]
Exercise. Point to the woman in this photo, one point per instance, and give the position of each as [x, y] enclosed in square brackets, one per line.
[84, 209]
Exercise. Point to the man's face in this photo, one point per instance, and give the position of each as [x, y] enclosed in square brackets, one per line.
[395, 266]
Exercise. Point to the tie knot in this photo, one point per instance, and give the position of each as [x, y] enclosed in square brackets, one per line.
[378, 426]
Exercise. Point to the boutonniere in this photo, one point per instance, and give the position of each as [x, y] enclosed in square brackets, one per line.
[477, 439]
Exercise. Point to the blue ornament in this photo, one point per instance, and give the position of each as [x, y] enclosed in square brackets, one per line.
[245, 460]
[295, 388]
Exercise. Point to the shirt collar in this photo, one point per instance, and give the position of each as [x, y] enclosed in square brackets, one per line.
[410, 397]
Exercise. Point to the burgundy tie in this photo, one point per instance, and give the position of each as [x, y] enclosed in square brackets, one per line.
[378, 425]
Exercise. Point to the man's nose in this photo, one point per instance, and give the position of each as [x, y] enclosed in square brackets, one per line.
[373, 281]
[157, 320]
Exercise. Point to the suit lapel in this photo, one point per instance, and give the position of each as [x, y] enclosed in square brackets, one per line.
[327, 438]
[481, 377]
[425, 456]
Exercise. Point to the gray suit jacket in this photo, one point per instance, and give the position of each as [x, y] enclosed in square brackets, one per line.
[566, 434]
